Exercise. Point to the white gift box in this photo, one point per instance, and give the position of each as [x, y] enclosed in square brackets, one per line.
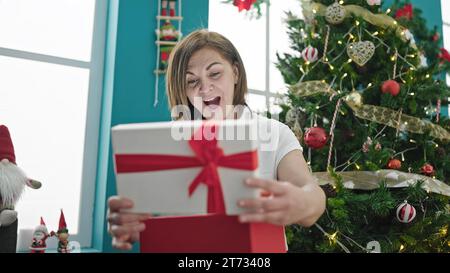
[166, 190]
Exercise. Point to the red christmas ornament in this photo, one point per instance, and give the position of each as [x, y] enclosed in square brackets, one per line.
[394, 164]
[310, 54]
[406, 11]
[316, 137]
[435, 37]
[427, 169]
[405, 213]
[244, 4]
[444, 55]
[391, 86]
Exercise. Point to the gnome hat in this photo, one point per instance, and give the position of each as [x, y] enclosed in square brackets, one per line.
[7, 152]
[42, 227]
[6, 145]
[62, 224]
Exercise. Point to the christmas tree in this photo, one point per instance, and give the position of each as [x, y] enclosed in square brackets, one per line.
[365, 89]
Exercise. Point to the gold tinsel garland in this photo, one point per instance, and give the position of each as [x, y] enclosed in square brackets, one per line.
[368, 180]
[382, 115]
[380, 20]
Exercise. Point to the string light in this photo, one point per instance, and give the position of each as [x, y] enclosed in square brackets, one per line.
[349, 60]
[388, 11]
[314, 11]
[339, 42]
[332, 237]
[317, 107]
[411, 68]
[351, 37]
[403, 157]
[307, 63]
[357, 166]
[402, 247]
[443, 231]
[369, 85]
[343, 76]
[393, 58]
[341, 2]
[436, 145]
[375, 33]
[395, 23]
[427, 76]
[331, 67]
[326, 59]
[412, 141]
[411, 94]
[357, 23]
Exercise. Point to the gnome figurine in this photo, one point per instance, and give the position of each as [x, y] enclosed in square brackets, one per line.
[167, 33]
[12, 179]
[63, 235]
[40, 235]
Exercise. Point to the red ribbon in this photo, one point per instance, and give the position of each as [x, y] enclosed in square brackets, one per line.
[406, 11]
[207, 155]
[243, 4]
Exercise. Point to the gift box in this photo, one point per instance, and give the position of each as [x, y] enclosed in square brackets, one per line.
[212, 233]
[186, 167]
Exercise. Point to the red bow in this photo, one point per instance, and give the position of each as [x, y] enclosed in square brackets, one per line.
[244, 4]
[207, 155]
[444, 55]
[406, 11]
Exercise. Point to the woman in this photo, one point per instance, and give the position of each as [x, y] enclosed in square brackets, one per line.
[206, 74]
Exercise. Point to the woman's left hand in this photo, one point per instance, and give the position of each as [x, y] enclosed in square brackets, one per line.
[285, 205]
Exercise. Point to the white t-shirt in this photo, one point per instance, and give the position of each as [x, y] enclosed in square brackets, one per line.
[275, 141]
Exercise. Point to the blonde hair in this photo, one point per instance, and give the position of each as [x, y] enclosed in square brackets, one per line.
[179, 59]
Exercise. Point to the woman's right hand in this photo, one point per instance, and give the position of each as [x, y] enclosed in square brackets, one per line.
[124, 226]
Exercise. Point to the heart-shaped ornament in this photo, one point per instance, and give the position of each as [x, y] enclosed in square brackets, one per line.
[361, 52]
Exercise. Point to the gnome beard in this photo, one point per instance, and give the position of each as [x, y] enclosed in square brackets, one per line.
[12, 183]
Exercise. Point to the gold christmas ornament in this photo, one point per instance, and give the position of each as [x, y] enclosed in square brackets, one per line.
[361, 52]
[354, 99]
[335, 13]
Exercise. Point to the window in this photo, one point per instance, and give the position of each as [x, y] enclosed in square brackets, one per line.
[51, 65]
[258, 41]
[445, 9]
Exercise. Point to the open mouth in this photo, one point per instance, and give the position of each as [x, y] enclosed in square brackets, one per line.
[213, 102]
